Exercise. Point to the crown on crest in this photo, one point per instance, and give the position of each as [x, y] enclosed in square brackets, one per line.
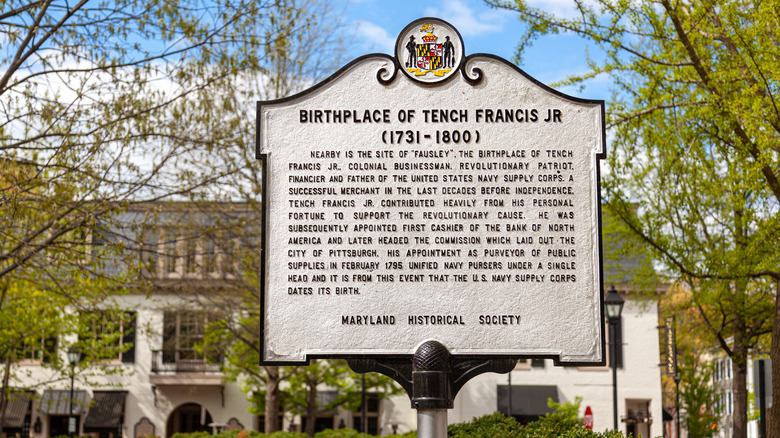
[429, 37]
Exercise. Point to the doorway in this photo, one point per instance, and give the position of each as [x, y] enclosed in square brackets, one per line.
[58, 425]
[190, 417]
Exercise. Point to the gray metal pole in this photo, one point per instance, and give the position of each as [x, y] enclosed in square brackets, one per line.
[761, 401]
[432, 423]
[509, 414]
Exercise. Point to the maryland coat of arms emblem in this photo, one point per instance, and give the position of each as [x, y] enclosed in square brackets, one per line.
[429, 50]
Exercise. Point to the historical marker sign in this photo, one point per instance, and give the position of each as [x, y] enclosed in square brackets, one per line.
[426, 196]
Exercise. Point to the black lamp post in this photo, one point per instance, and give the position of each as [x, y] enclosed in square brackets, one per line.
[613, 304]
[677, 379]
[73, 358]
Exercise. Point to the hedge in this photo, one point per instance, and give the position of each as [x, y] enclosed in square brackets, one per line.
[559, 424]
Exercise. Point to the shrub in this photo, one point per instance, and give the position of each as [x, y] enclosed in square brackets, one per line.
[192, 435]
[494, 425]
[565, 418]
[342, 433]
[282, 434]
[564, 422]
[241, 434]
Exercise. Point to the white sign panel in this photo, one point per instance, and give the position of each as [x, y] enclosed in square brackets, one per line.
[415, 197]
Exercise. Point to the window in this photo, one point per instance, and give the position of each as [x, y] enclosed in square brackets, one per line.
[722, 401]
[171, 252]
[150, 252]
[722, 370]
[82, 244]
[326, 413]
[37, 349]
[73, 245]
[210, 256]
[525, 403]
[109, 335]
[638, 417]
[729, 404]
[177, 253]
[31, 350]
[229, 257]
[191, 256]
[372, 415]
[183, 338]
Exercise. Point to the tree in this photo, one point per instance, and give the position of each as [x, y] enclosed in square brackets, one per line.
[108, 105]
[305, 41]
[93, 103]
[694, 169]
[694, 350]
[301, 395]
[35, 323]
[697, 396]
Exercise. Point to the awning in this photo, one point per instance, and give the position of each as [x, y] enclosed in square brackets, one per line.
[57, 402]
[107, 411]
[16, 409]
[527, 401]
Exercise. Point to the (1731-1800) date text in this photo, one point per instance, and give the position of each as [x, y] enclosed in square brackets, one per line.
[439, 137]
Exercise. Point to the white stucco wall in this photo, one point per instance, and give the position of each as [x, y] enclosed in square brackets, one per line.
[135, 378]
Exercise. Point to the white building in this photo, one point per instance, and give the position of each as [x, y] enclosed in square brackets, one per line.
[723, 404]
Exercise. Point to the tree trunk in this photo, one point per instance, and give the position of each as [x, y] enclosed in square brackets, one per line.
[739, 390]
[272, 400]
[4, 394]
[773, 420]
[311, 408]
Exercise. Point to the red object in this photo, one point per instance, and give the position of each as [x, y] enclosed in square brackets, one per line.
[588, 420]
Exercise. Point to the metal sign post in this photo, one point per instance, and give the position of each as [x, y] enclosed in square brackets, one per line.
[432, 379]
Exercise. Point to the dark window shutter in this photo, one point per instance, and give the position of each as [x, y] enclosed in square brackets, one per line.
[128, 337]
[84, 320]
[49, 349]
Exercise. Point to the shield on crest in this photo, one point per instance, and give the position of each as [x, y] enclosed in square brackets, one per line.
[429, 56]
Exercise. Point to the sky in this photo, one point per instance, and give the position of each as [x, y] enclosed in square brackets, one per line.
[484, 30]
